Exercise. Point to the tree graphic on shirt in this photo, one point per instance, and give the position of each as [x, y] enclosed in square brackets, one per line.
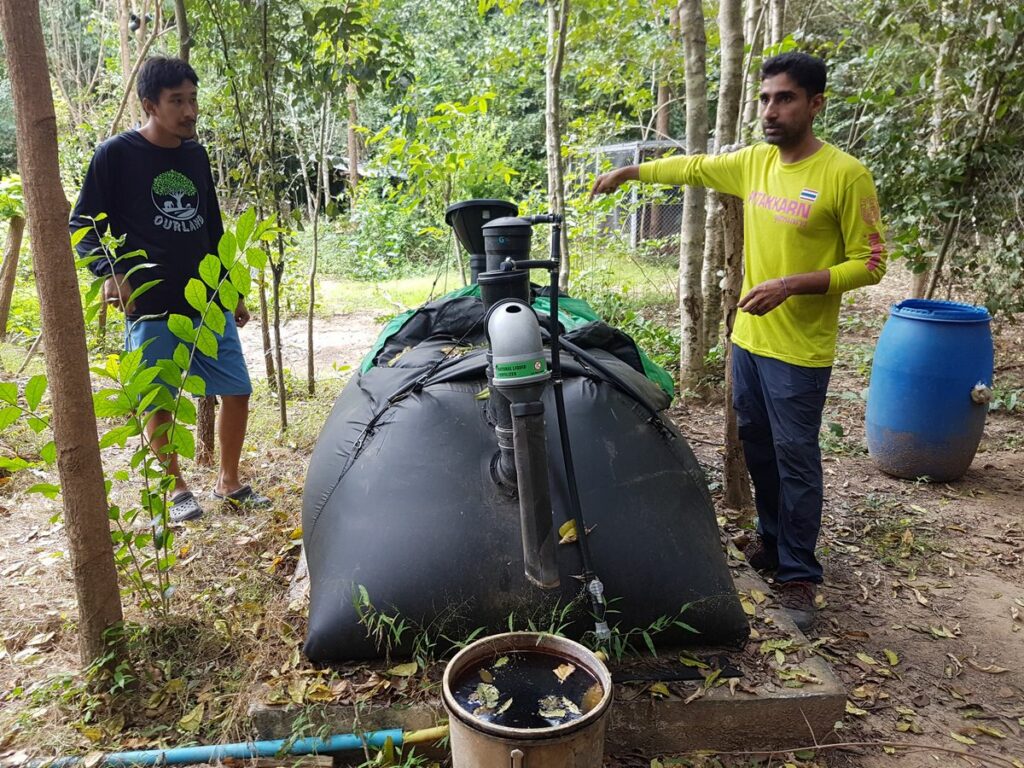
[176, 185]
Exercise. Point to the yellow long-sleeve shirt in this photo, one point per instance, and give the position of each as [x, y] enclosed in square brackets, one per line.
[819, 213]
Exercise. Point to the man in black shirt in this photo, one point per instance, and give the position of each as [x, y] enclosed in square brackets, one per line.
[156, 188]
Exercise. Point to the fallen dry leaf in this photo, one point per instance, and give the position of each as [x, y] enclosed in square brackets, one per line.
[562, 671]
[991, 669]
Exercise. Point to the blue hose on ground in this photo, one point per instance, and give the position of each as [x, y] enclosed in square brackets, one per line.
[211, 753]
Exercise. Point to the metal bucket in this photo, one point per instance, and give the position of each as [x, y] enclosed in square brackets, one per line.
[479, 744]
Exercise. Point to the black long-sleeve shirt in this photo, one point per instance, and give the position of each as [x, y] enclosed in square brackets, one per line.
[164, 201]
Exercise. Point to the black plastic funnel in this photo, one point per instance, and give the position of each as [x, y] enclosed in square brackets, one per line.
[468, 218]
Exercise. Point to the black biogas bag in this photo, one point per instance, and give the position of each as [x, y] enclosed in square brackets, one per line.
[401, 509]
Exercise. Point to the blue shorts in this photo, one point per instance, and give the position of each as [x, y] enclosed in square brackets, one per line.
[227, 375]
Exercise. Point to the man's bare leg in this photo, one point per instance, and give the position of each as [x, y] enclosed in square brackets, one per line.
[231, 425]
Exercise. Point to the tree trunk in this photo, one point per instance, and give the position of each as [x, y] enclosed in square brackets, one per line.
[663, 114]
[9, 270]
[920, 280]
[67, 363]
[735, 481]
[753, 35]
[184, 36]
[691, 252]
[352, 94]
[558, 22]
[325, 110]
[730, 32]
[206, 420]
[268, 350]
[276, 268]
[124, 10]
[777, 16]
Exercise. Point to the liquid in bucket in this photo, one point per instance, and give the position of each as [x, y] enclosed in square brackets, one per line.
[527, 689]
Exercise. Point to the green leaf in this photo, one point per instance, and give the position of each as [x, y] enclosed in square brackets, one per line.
[14, 465]
[191, 722]
[207, 342]
[209, 270]
[78, 234]
[216, 321]
[36, 424]
[195, 385]
[195, 295]
[49, 490]
[170, 372]
[130, 362]
[182, 327]
[228, 296]
[183, 441]
[9, 392]
[119, 435]
[244, 227]
[241, 279]
[8, 416]
[182, 355]
[111, 403]
[48, 452]
[34, 391]
[142, 289]
[149, 397]
[256, 257]
[227, 249]
[186, 411]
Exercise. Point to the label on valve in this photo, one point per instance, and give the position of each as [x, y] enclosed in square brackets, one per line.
[518, 369]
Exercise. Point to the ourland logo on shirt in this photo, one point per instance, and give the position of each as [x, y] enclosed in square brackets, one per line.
[177, 200]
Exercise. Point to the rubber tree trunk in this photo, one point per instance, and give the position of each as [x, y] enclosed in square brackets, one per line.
[184, 36]
[558, 23]
[67, 363]
[9, 270]
[320, 192]
[777, 17]
[206, 420]
[123, 12]
[691, 249]
[919, 282]
[276, 267]
[663, 111]
[753, 35]
[730, 32]
[352, 94]
[736, 492]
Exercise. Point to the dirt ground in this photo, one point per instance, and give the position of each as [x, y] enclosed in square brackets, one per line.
[924, 598]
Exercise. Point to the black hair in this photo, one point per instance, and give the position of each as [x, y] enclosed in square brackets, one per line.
[806, 71]
[162, 72]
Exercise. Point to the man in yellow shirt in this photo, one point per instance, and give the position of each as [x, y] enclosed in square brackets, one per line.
[812, 230]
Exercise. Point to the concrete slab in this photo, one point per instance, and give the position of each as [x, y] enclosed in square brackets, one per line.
[757, 714]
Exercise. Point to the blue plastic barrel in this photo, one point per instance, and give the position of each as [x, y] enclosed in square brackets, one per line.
[930, 386]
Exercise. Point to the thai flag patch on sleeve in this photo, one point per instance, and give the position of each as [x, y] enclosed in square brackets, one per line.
[810, 195]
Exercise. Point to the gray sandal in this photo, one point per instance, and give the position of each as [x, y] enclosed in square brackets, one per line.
[184, 507]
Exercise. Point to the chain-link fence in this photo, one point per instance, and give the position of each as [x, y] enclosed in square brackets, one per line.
[646, 214]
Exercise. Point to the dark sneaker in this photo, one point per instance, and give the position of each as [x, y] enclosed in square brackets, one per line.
[761, 557]
[184, 507]
[797, 599]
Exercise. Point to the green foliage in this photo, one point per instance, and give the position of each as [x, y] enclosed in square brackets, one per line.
[945, 155]
[384, 239]
[132, 393]
[12, 202]
[427, 643]
[8, 140]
